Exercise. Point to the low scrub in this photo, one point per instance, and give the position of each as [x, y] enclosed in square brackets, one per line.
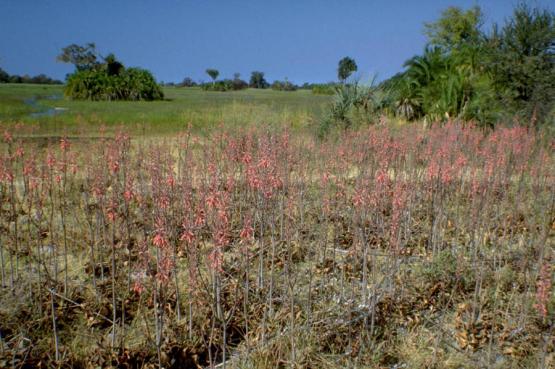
[97, 84]
[225, 85]
[283, 86]
[324, 89]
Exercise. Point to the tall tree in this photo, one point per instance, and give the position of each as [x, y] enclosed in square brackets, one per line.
[83, 57]
[522, 60]
[345, 68]
[257, 80]
[187, 82]
[455, 28]
[213, 73]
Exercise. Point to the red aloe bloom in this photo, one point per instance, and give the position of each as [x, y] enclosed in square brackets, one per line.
[50, 160]
[64, 144]
[128, 194]
[138, 287]
[170, 181]
[187, 236]
[247, 232]
[200, 218]
[159, 240]
[19, 152]
[215, 260]
[8, 137]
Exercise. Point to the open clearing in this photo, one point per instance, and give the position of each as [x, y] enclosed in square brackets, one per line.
[203, 110]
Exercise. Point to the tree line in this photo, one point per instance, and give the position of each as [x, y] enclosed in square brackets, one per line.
[465, 72]
[40, 79]
[257, 80]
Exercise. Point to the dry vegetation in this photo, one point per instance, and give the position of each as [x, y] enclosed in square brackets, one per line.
[404, 248]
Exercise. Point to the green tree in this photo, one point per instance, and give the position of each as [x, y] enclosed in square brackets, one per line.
[83, 57]
[187, 82]
[4, 76]
[213, 73]
[455, 28]
[257, 80]
[345, 68]
[113, 66]
[522, 60]
[107, 80]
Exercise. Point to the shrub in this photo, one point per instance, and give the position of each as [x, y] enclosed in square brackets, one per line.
[324, 89]
[187, 82]
[225, 85]
[97, 84]
[355, 104]
[239, 84]
[283, 86]
[109, 80]
[257, 80]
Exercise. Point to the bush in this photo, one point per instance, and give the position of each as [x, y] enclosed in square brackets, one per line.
[324, 89]
[283, 86]
[355, 104]
[187, 82]
[239, 84]
[110, 80]
[257, 80]
[225, 85]
[97, 84]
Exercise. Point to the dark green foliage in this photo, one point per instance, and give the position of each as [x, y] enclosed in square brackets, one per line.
[468, 74]
[17, 79]
[4, 76]
[213, 73]
[238, 83]
[257, 80]
[283, 86]
[113, 66]
[439, 85]
[187, 82]
[521, 60]
[225, 85]
[40, 79]
[109, 80]
[83, 57]
[345, 68]
[98, 84]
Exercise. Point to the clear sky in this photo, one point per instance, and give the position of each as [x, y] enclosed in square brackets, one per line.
[298, 39]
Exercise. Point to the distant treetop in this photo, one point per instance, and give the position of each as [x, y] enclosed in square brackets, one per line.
[345, 68]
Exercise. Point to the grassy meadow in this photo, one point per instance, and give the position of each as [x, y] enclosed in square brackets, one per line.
[181, 107]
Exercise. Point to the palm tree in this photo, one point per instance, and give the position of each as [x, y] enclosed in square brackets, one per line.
[213, 73]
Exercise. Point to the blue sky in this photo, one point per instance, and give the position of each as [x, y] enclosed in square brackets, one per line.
[298, 39]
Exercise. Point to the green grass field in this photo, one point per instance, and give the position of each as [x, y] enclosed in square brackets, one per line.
[182, 107]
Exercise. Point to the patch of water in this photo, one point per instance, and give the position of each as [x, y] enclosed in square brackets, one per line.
[44, 111]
